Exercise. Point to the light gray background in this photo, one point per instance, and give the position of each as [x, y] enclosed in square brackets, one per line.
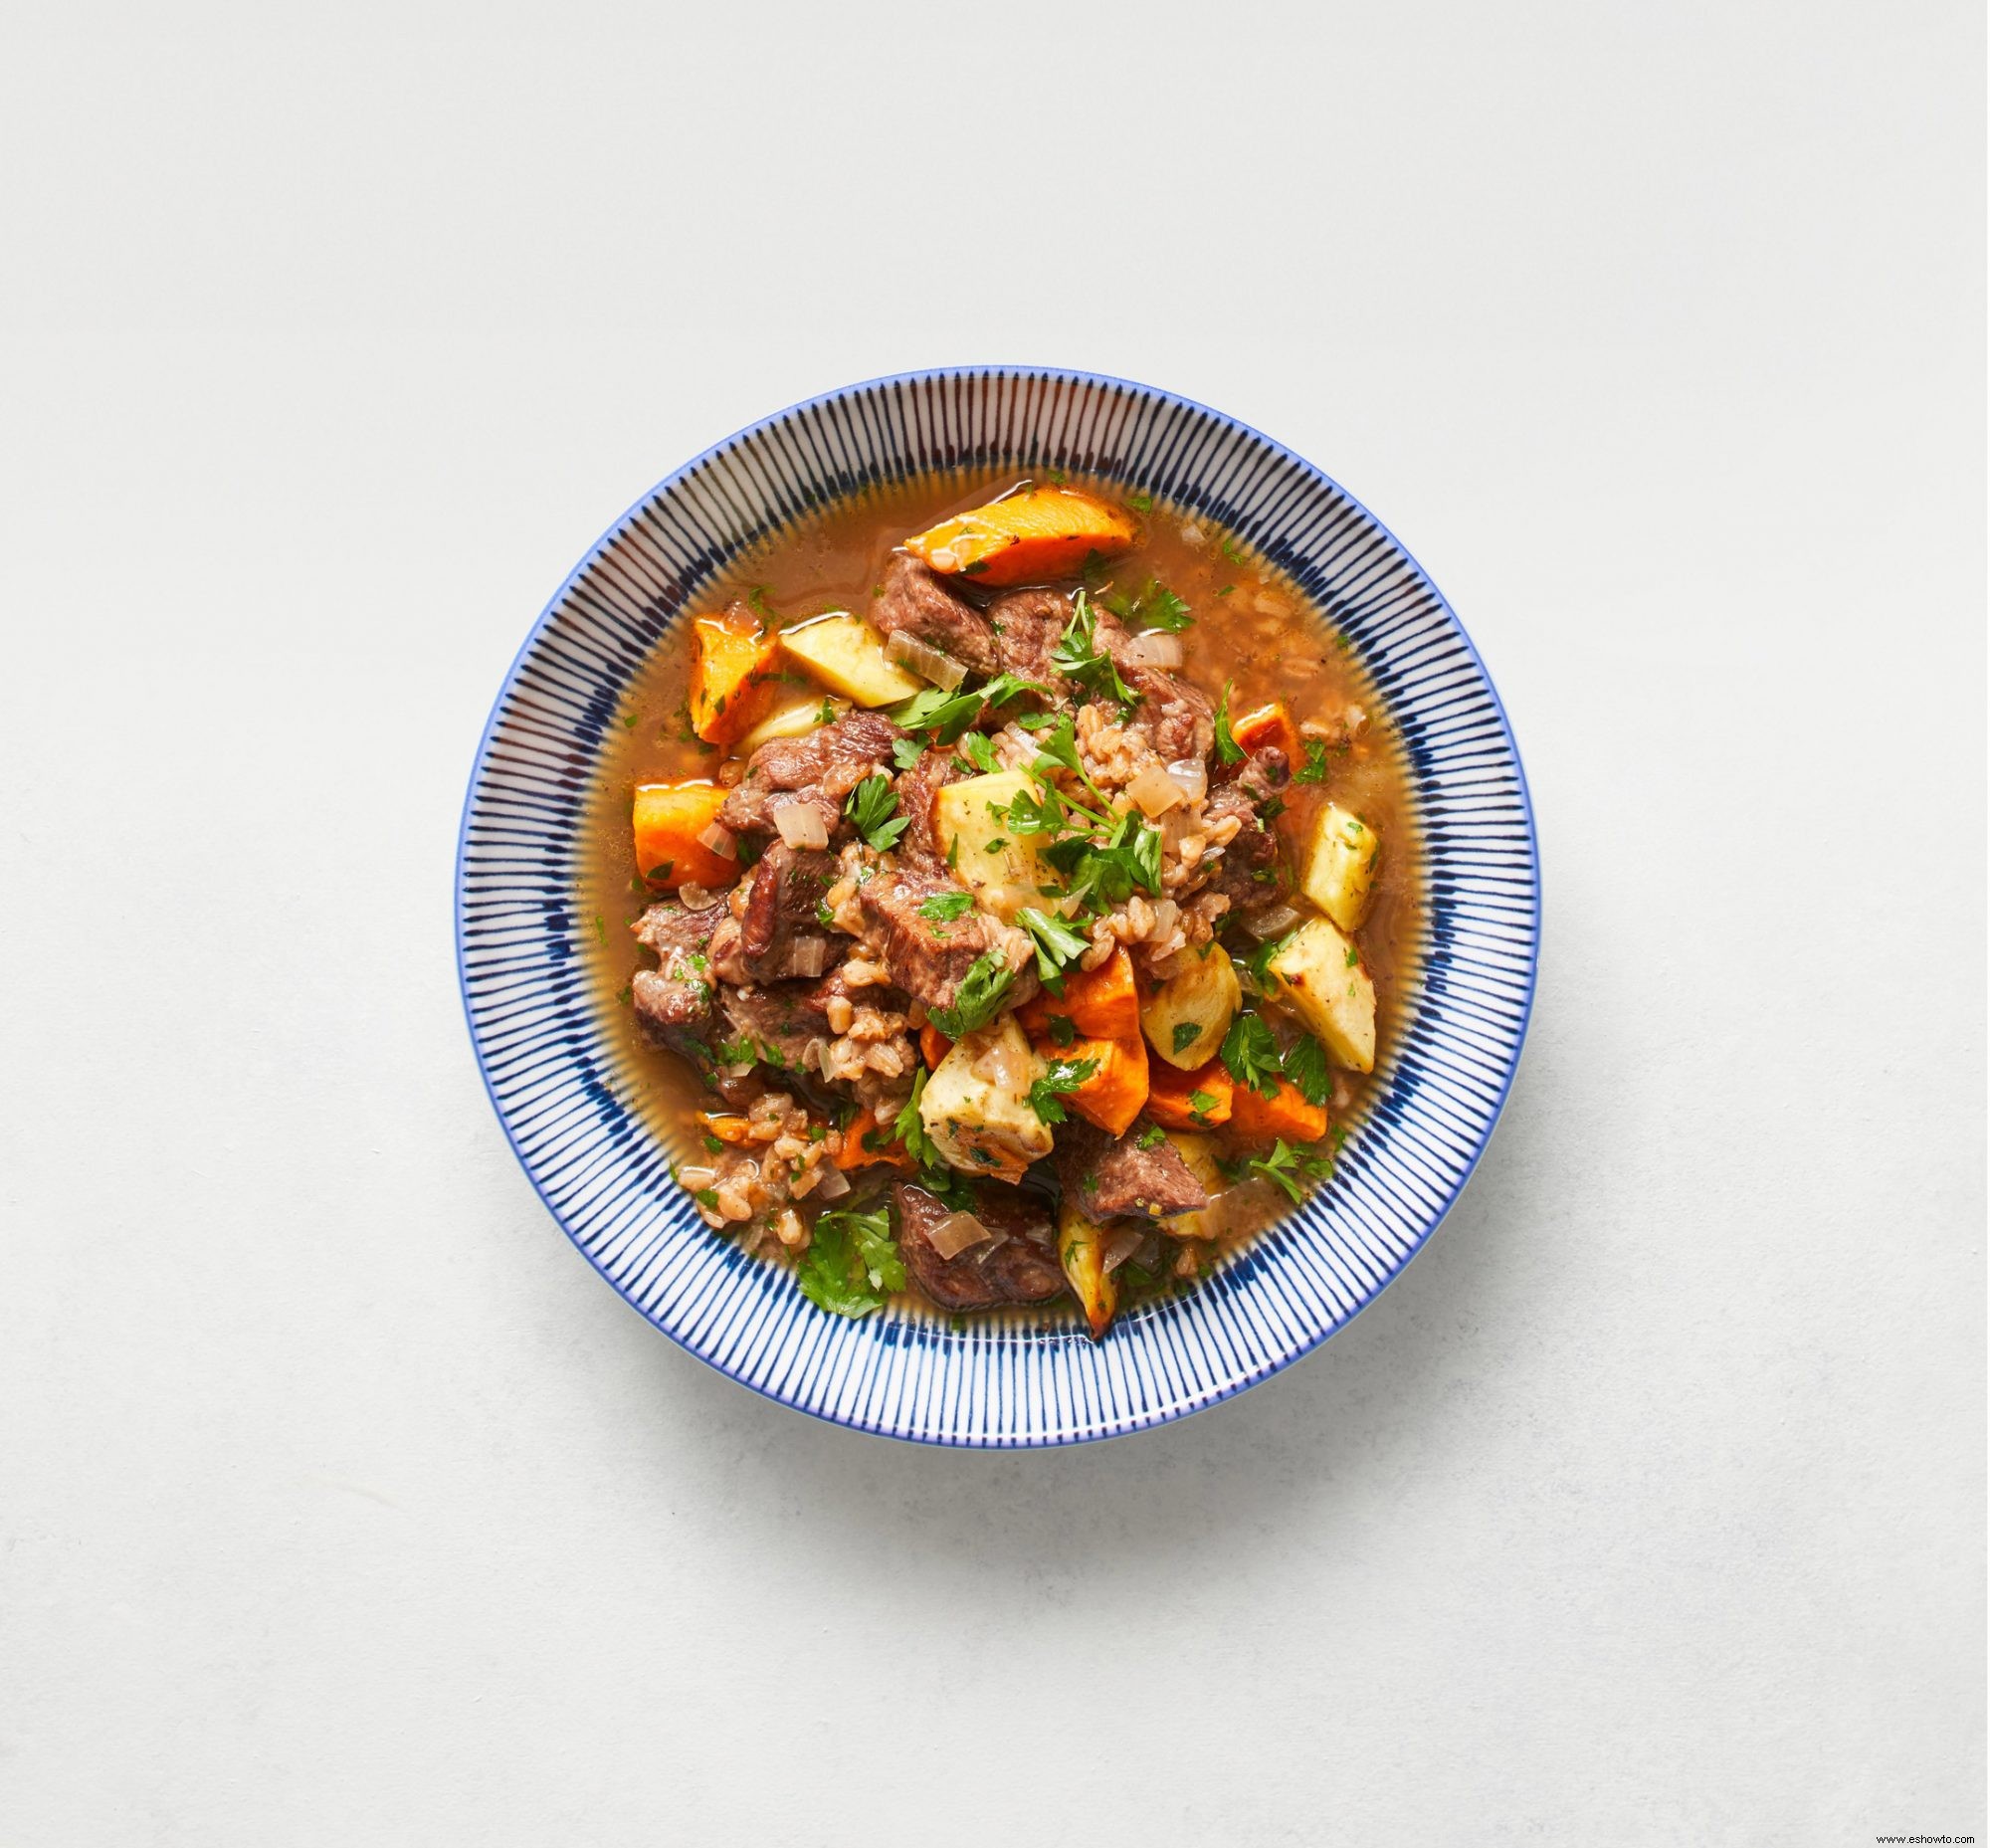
[343, 1504]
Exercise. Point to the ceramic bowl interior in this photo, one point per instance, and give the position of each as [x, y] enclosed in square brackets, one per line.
[553, 1066]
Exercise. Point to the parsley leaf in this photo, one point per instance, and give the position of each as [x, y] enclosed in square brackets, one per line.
[1250, 1055]
[1259, 961]
[981, 748]
[1064, 1029]
[947, 907]
[1058, 750]
[1057, 942]
[1061, 1077]
[1106, 871]
[1157, 607]
[947, 715]
[1305, 1066]
[1200, 1103]
[1314, 768]
[1151, 1138]
[1291, 1169]
[1227, 748]
[979, 998]
[910, 1128]
[1078, 657]
[870, 809]
[1187, 1032]
[908, 752]
[852, 1264]
[824, 916]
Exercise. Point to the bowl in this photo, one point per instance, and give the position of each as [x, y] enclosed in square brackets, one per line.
[555, 1069]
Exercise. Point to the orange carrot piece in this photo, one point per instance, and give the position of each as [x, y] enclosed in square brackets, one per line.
[1028, 539]
[731, 675]
[668, 819]
[1170, 1095]
[1116, 1091]
[1268, 725]
[1101, 1004]
[933, 1045]
[883, 1132]
[1258, 1118]
[728, 1129]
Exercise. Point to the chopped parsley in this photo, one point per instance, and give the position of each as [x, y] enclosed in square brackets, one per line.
[1157, 607]
[1291, 1169]
[1227, 748]
[980, 749]
[1151, 1138]
[1064, 1029]
[947, 715]
[1140, 503]
[1061, 1077]
[852, 1264]
[910, 1128]
[1187, 1032]
[712, 1146]
[1305, 1065]
[1057, 749]
[661, 873]
[1250, 1055]
[824, 916]
[908, 752]
[871, 808]
[1200, 1103]
[947, 906]
[1106, 873]
[979, 998]
[1313, 770]
[1078, 657]
[1057, 942]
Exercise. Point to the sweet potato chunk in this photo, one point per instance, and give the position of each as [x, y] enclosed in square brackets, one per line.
[1255, 1118]
[1198, 1099]
[668, 819]
[1116, 1091]
[1031, 538]
[731, 675]
[1099, 1004]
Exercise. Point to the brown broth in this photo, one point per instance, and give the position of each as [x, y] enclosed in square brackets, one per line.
[1253, 627]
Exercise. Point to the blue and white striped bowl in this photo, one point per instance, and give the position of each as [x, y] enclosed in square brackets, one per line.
[553, 1065]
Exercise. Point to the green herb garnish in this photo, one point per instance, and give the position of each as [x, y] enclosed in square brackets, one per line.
[1061, 1077]
[1187, 1032]
[1305, 1065]
[1291, 1169]
[1078, 657]
[947, 906]
[852, 1264]
[1227, 746]
[979, 998]
[871, 808]
[1250, 1055]
[1057, 944]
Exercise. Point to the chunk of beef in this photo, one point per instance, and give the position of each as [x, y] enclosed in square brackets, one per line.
[780, 925]
[781, 1019]
[915, 603]
[1108, 1178]
[822, 768]
[675, 1002]
[1022, 1268]
[1174, 717]
[1248, 872]
[919, 789]
[929, 957]
[1026, 625]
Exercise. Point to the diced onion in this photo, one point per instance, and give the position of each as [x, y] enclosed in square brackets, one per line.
[1192, 775]
[1152, 648]
[1265, 925]
[806, 956]
[722, 841]
[956, 1232]
[695, 898]
[1006, 1064]
[924, 660]
[1155, 791]
[800, 823]
[831, 1182]
[695, 1180]
[1122, 1246]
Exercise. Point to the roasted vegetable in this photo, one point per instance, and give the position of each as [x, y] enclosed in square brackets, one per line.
[1198, 1099]
[848, 656]
[1340, 868]
[1116, 1091]
[1186, 1017]
[669, 818]
[792, 720]
[933, 1046]
[1255, 1118]
[1082, 1249]
[1268, 725]
[870, 1138]
[1097, 1004]
[975, 1106]
[731, 674]
[982, 850]
[1317, 973]
[1029, 537]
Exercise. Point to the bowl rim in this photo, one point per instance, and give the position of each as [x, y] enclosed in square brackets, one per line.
[1170, 1414]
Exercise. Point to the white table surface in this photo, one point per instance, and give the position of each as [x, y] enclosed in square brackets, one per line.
[341, 1502]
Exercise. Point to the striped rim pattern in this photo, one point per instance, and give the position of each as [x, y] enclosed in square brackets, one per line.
[551, 1067]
